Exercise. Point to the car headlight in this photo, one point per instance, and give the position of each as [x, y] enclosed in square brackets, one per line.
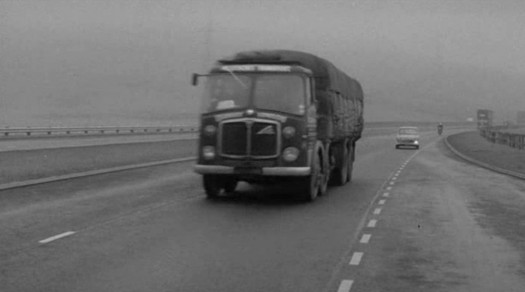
[416, 142]
[208, 152]
[290, 154]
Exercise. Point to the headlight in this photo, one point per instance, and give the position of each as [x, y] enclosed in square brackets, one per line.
[210, 130]
[288, 132]
[208, 152]
[416, 142]
[290, 154]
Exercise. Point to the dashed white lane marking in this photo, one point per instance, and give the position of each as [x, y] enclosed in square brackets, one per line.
[365, 238]
[381, 202]
[345, 286]
[389, 188]
[356, 258]
[386, 194]
[58, 236]
[392, 183]
[372, 223]
[377, 211]
[394, 178]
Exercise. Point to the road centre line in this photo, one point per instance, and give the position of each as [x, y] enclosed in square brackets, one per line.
[365, 238]
[377, 211]
[381, 202]
[356, 258]
[372, 223]
[388, 188]
[345, 286]
[392, 183]
[58, 236]
[386, 194]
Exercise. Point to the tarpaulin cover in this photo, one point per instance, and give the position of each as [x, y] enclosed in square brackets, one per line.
[328, 76]
[340, 98]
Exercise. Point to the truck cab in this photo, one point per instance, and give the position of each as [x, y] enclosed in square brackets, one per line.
[260, 123]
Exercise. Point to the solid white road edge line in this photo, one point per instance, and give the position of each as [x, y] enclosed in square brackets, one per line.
[37, 181]
[58, 236]
[345, 286]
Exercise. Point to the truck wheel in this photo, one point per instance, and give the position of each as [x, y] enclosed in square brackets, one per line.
[212, 185]
[325, 177]
[312, 183]
[230, 185]
[350, 165]
[341, 172]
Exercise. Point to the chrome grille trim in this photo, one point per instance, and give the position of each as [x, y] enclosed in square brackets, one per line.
[249, 123]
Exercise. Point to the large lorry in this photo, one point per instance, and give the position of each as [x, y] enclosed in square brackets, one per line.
[278, 116]
[485, 118]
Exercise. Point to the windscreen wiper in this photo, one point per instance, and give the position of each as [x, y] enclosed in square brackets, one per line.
[235, 77]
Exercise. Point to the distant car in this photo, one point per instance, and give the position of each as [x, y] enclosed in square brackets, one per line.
[407, 136]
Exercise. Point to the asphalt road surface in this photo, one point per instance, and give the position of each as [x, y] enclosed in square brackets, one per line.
[410, 221]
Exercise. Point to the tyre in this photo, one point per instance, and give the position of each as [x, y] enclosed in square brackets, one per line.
[350, 165]
[340, 173]
[311, 184]
[325, 177]
[397, 146]
[230, 185]
[417, 147]
[212, 185]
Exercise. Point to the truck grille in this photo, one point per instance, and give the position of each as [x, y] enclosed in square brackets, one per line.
[249, 138]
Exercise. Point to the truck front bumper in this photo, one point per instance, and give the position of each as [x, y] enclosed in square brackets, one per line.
[265, 171]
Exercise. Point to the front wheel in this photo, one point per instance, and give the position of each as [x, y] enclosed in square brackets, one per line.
[312, 183]
[230, 185]
[212, 185]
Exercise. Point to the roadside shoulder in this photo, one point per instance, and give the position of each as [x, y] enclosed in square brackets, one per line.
[471, 147]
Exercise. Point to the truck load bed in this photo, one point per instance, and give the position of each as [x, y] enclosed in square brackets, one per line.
[340, 97]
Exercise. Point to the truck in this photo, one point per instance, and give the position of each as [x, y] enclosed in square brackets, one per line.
[484, 118]
[277, 116]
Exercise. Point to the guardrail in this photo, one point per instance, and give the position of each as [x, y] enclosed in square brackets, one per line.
[80, 131]
[501, 135]
[64, 131]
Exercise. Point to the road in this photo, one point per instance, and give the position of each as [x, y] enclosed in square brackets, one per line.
[409, 221]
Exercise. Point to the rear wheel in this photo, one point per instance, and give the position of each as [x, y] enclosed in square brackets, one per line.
[350, 165]
[340, 173]
[212, 185]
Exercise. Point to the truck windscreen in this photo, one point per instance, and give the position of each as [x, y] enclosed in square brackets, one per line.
[279, 92]
[225, 91]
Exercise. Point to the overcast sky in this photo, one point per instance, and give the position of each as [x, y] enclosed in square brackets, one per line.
[130, 61]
